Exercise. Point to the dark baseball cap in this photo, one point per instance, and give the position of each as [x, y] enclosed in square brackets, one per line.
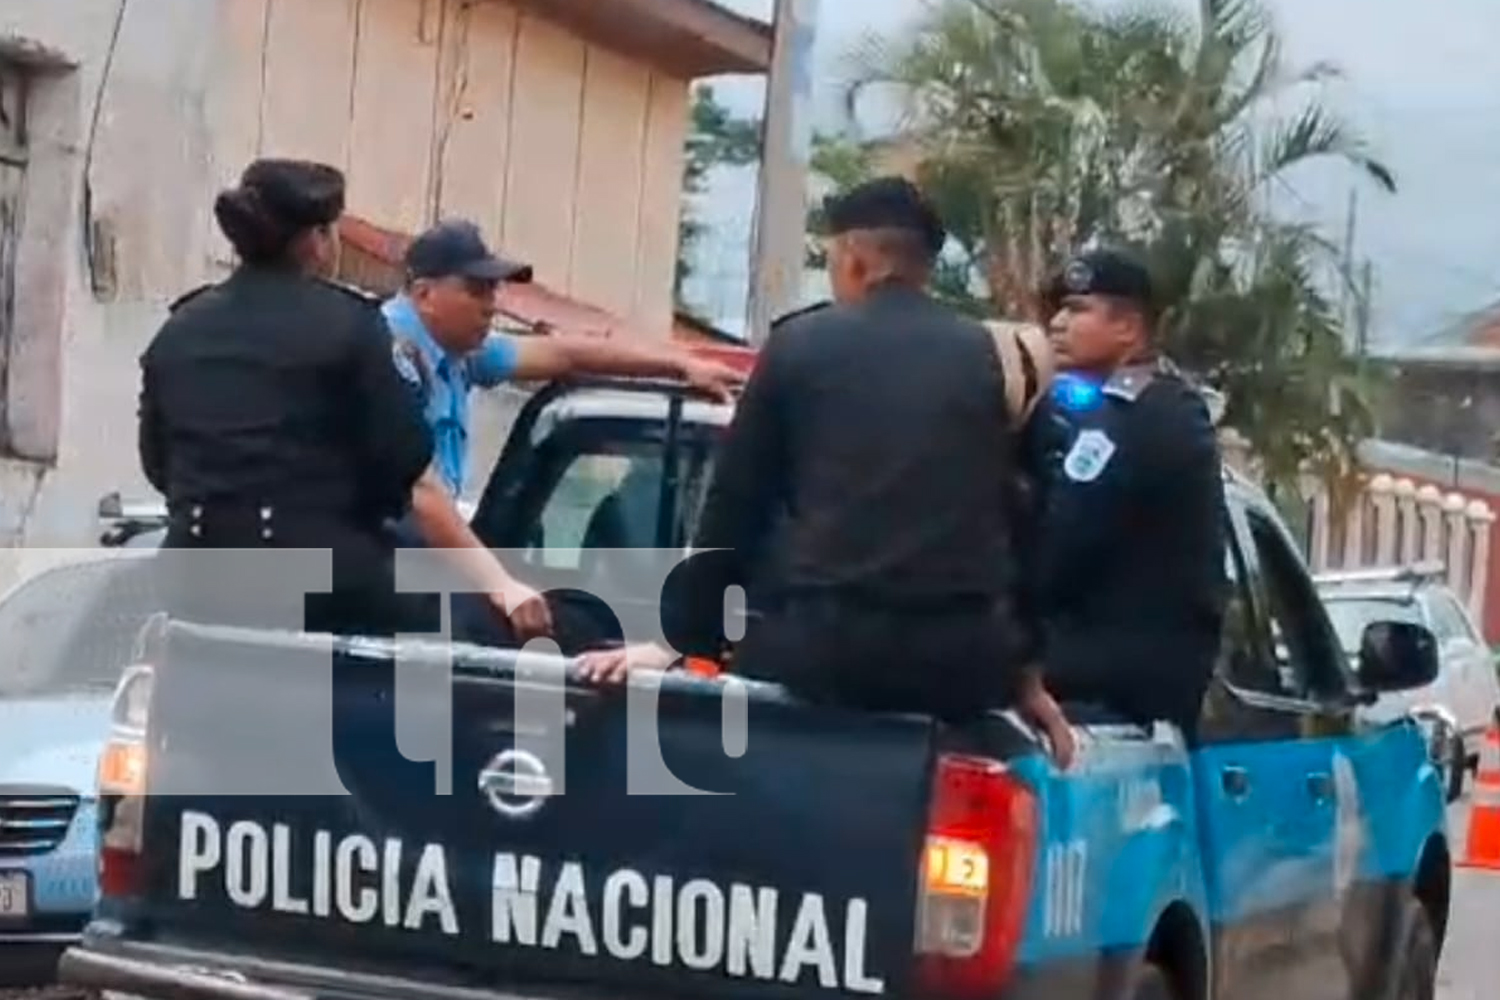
[884, 203]
[457, 249]
[1104, 272]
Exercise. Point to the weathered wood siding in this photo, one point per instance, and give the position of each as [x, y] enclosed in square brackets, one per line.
[568, 154]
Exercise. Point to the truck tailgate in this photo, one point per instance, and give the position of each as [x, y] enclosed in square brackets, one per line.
[800, 870]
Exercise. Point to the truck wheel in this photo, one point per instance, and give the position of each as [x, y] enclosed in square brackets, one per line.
[1416, 955]
[1152, 984]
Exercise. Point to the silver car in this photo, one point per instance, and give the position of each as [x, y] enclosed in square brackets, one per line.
[1461, 704]
[65, 636]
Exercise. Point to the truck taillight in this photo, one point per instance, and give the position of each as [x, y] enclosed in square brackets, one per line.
[976, 877]
[123, 767]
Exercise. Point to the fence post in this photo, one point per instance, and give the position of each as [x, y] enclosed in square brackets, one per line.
[1454, 505]
[1383, 499]
[1354, 534]
[1320, 544]
[1409, 519]
[1430, 504]
[1481, 520]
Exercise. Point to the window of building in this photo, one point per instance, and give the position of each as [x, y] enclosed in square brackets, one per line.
[41, 152]
[14, 92]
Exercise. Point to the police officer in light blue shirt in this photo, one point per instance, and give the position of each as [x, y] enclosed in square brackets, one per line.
[444, 345]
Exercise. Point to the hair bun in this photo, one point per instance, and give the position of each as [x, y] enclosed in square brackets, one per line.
[243, 219]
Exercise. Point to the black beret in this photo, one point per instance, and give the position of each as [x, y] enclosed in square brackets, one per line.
[297, 193]
[1104, 272]
[885, 203]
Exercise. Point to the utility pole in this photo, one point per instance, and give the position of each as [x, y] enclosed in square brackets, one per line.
[776, 261]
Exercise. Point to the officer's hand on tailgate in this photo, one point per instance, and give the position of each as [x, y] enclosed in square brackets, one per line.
[712, 378]
[1043, 711]
[613, 666]
[525, 609]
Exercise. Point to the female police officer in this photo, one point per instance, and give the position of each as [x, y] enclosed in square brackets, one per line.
[272, 418]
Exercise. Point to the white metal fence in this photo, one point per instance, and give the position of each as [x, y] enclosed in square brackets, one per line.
[1396, 521]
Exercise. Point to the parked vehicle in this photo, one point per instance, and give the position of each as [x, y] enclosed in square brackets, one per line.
[1298, 850]
[65, 636]
[1461, 703]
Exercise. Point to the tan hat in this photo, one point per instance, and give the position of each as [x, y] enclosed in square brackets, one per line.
[1027, 364]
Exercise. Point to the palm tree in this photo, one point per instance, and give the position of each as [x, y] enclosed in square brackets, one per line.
[1041, 125]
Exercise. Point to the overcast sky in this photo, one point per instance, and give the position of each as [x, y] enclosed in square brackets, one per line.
[1424, 88]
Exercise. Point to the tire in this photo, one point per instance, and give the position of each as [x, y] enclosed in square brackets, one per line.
[1415, 964]
[1458, 764]
[1152, 984]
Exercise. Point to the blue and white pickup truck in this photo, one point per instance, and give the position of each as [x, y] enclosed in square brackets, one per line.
[1293, 853]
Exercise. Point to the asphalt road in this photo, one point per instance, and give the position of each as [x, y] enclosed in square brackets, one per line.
[1471, 960]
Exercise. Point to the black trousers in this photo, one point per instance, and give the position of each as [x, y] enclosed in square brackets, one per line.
[954, 663]
[1145, 674]
[228, 573]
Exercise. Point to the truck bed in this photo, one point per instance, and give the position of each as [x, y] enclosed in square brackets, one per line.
[796, 867]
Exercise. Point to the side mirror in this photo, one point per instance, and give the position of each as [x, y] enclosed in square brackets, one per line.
[1397, 656]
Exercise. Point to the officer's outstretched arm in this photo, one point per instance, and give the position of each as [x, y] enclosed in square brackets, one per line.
[443, 527]
[557, 356]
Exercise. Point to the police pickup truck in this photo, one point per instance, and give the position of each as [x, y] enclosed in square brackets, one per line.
[1292, 852]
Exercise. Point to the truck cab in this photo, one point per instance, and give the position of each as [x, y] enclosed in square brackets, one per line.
[1295, 849]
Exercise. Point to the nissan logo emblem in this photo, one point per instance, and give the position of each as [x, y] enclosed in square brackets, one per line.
[516, 783]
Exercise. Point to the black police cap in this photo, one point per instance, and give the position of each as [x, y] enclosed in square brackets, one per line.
[885, 203]
[456, 248]
[1104, 272]
[296, 193]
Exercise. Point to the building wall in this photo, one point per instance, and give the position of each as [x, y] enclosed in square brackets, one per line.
[1453, 409]
[570, 156]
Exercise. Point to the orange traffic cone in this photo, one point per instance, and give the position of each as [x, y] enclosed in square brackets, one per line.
[1483, 848]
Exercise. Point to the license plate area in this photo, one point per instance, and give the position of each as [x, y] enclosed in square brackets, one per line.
[15, 896]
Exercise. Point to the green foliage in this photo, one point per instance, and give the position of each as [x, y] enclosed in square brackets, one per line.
[1042, 125]
[716, 138]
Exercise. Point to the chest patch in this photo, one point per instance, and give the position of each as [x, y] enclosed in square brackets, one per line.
[409, 364]
[1089, 456]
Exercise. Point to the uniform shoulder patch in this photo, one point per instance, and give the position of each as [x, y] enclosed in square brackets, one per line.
[183, 300]
[410, 364]
[1089, 456]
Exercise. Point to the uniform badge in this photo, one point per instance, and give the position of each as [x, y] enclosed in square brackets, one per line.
[1078, 277]
[1089, 455]
[406, 364]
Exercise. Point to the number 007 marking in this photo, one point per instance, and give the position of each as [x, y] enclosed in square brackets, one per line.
[1067, 873]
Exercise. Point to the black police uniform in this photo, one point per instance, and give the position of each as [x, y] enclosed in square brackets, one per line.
[1129, 566]
[272, 417]
[861, 498]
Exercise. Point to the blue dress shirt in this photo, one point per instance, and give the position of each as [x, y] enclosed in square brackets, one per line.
[445, 388]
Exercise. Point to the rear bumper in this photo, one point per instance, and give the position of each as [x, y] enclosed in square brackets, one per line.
[158, 972]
